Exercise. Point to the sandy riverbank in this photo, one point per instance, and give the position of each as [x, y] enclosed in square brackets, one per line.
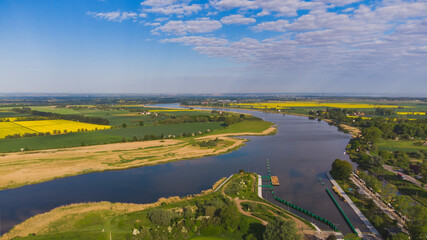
[19, 169]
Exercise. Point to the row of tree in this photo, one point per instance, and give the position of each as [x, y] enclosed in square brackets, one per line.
[71, 117]
[227, 118]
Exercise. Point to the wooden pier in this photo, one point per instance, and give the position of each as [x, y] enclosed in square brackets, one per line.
[275, 181]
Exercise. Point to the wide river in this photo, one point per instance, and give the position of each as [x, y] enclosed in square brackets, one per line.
[300, 153]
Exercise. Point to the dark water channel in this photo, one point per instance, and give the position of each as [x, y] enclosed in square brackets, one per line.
[300, 154]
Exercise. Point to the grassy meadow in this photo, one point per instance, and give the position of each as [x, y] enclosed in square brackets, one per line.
[405, 146]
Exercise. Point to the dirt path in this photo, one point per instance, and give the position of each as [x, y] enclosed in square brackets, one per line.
[301, 226]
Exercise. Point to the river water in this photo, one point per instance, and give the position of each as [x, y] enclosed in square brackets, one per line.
[300, 153]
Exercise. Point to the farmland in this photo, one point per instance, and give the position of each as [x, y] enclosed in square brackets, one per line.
[10, 128]
[46, 126]
[77, 139]
[287, 105]
[126, 124]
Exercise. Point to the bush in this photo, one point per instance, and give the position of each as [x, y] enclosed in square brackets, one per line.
[281, 230]
[160, 216]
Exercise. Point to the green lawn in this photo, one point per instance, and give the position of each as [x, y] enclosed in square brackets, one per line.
[392, 145]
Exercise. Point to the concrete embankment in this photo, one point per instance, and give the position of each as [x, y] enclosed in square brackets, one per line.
[354, 207]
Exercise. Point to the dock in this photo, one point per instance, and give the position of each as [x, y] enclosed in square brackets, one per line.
[275, 181]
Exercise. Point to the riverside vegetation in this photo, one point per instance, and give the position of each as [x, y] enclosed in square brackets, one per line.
[393, 134]
[233, 211]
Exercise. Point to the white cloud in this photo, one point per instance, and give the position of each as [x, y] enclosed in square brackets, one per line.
[116, 16]
[237, 19]
[202, 25]
[198, 41]
[263, 13]
[179, 9]
[158, 3]
[288, 7]
[387, 34]
[340, 2]
[229, 4]
[278, 26]
[161, 19]
[154, 24]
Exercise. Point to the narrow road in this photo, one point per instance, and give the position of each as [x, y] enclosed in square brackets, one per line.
[301, 226]
[406, 177]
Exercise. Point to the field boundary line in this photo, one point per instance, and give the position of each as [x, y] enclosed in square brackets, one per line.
[25, 127]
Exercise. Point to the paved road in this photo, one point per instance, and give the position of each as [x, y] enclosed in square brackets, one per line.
[407, 177]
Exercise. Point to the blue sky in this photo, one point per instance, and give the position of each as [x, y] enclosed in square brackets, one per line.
[213, 46]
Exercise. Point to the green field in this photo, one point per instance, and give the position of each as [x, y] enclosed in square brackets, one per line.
[101, 136]
[406, 146]
[119, 116]
[251, 124]
[9, 114]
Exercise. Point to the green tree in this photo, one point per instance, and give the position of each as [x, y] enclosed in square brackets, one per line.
[141, 123]
[341, 169]
[279, 229]
[160, 216]
[417, 222]
[400, 236]
[250, 237]
[124, 125]
[354, 144]
[372, 134]
[351, 236]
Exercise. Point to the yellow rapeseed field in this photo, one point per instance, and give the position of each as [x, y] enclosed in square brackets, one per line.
[284, 105]
[411, 113]
[10, 128]
[44, 126]
[364, 118]
[8, 119]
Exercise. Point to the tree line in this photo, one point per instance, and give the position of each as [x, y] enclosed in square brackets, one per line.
[71, 117]
[227, 118]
